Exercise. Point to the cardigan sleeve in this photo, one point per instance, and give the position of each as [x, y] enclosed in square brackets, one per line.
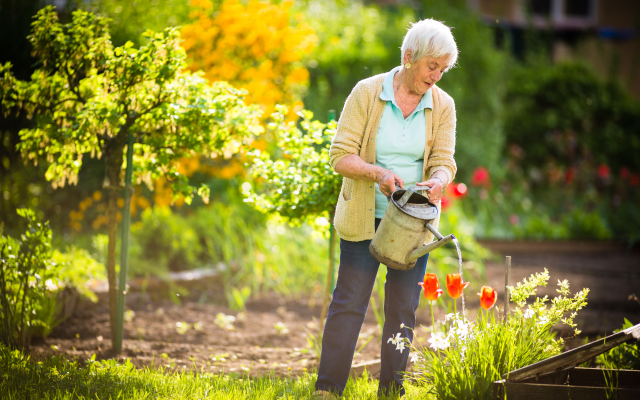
[444, 143]
[351, 126]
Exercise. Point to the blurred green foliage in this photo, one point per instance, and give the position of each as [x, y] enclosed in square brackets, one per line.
[130, 19]
[247, 249]
[567, 115]
[356, 41]
[35, 283]
[25, 268]
[75, 268]
[300, 186]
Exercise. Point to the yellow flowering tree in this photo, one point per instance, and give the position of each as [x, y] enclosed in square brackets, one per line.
[255, 46]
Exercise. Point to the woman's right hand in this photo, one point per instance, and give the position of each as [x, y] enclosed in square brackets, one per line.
[387, 182]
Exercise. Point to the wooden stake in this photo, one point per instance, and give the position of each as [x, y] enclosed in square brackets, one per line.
[507, 278]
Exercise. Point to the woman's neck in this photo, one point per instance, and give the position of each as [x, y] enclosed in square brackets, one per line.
[402, 84]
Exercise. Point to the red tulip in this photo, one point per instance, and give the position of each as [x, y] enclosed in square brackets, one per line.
[604, 171]
[459, 190]
[488, 297]
[569, 175]
[480, 177]
[445, 202]
[455, 285]
[431, 287]
[624, 173]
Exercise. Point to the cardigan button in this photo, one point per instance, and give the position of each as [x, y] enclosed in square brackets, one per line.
[430, 142]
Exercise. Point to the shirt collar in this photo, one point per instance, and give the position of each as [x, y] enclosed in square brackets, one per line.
[387, 92]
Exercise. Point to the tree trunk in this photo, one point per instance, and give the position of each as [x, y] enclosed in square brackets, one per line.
[113, 154]
[330, 275]
[111, 258]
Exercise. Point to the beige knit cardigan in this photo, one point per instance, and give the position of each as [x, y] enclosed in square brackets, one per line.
[357, 129]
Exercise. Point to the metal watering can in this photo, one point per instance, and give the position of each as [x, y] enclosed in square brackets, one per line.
[399, 239]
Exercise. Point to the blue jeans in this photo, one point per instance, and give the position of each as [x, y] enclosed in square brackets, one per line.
[356, 277]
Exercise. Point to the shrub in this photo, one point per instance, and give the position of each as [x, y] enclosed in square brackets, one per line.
[33, 279]
[162, 242]
[25, 282]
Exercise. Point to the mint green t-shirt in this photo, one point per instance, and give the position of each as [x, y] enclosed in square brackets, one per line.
[400, 142]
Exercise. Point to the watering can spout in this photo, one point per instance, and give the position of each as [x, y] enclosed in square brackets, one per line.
[421, 251]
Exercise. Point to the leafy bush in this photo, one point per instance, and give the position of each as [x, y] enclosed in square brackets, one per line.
[586, 225]
[25, 282]
[32, 278]
[76, 269]
[162, 242]
[567, 114]
[471, 356]
[301, 185]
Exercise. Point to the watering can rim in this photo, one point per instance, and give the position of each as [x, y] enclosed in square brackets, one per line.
[414, 189]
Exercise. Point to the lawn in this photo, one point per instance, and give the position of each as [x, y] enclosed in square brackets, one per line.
[58, 378]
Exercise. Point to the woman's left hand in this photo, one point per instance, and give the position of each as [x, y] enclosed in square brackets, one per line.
[435, 193]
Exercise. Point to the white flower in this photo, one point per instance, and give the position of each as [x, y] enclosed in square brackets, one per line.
[529, 313]
[438, 341]
[413, 357]
[543, 320]
[395, 340]
[449, 316]
[462, 329]
[400, 346]
[50, 285]
[402, 325]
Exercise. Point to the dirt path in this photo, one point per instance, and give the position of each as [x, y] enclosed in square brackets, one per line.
[271, 336]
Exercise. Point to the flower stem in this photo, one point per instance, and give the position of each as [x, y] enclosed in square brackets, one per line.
[455, 311]
[433, 321]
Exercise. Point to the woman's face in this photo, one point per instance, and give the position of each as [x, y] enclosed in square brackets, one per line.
[425, 73]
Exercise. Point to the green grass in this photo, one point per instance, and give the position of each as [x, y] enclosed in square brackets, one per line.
[57, 378]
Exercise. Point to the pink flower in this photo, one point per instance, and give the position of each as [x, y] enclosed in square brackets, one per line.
[481, 177]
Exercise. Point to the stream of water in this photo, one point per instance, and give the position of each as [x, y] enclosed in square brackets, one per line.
[455, 241]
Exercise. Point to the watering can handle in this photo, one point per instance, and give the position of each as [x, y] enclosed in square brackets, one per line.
[403, 200]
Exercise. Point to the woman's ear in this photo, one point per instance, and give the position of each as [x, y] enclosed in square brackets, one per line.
[407, 57]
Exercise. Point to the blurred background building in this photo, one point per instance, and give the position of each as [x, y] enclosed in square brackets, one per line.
[604, 33]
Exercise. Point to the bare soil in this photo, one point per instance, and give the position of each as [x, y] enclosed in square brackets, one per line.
[271, 336]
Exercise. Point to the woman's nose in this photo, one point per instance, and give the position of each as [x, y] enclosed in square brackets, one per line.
[436, 75]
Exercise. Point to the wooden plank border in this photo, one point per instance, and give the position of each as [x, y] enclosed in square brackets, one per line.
[574, 357]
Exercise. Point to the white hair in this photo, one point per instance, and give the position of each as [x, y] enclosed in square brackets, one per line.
[429, 38]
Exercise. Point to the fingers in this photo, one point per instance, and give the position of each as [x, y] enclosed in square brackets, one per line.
[399, 181]
[388, 183]
[436, 191]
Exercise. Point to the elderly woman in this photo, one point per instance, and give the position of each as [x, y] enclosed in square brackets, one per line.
[396, 130]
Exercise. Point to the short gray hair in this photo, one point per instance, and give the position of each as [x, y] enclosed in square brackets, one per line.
[429, 38]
